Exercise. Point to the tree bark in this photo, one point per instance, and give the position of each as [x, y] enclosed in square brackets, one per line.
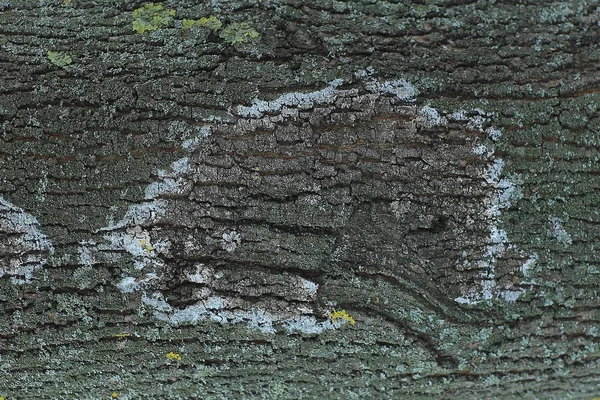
[286, 199]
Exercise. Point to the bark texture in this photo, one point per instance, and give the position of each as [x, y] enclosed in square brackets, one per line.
[325, 199]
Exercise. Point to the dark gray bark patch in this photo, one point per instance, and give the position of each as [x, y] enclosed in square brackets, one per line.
[336, 184]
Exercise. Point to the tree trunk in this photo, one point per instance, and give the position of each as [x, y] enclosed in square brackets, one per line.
[286, 199]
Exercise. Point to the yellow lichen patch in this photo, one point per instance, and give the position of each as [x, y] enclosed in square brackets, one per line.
[173, 356]
[341, 315]
[189, 23]
[114, 395]
[213, 23]
[238, 32]
[151, 17]
[67, 3]
[121, 335]
[145, 245]
[59, 58]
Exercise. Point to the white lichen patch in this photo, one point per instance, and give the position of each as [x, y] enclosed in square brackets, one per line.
[428, 117]
[87, 253]
[189, 136]
[308, 324]
[365, 73]
[494, 134]
[482, 150]
[171, 182]
[400, 88]
[557, 231]
[529, 265]
[24, 248]
[202, 274]
[129, 284]
[194, 142]
[128, 234]
[505, 191]
[139, 214]
[230, 309]
[136, 242]
[290, 102]
[310, 287]
[230, 241]
[219, 309]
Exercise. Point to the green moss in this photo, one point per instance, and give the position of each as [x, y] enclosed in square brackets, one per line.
[238, 32]
[213, 23]
[151, 17]
[59, 58]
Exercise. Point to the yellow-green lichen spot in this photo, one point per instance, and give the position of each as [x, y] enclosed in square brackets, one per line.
[151, 17]
[341, 315]
[59, 58]
[238, 32]
[213, 23]
[173, 356]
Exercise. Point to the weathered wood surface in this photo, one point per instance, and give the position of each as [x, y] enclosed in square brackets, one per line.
[430, 168]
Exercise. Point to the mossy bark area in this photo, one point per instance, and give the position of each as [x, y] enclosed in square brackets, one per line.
[431, 169]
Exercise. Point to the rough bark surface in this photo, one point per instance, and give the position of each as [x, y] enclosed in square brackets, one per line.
[347, 199]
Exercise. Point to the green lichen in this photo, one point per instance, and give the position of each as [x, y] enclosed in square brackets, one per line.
[238, 32]
[59, 58]
[151, 17]
[213, 23]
